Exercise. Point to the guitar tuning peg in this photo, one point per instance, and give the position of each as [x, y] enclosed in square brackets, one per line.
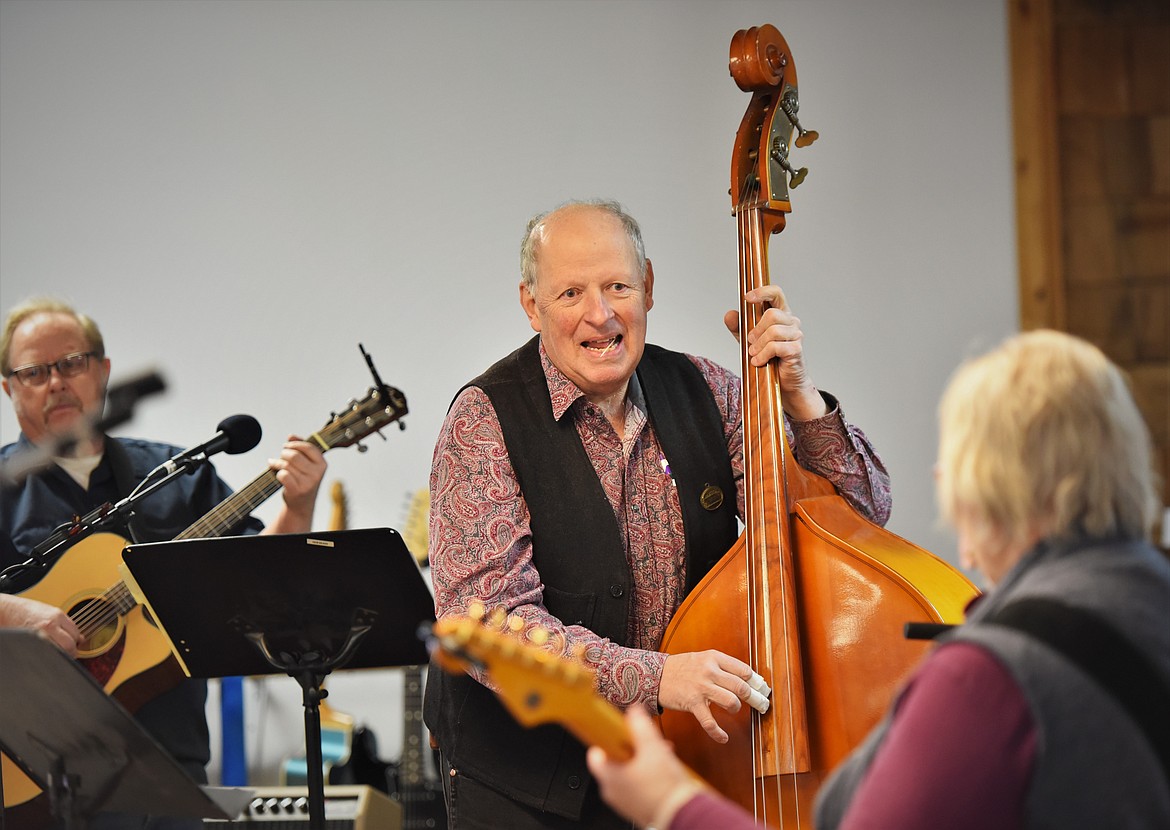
[497, 618]
[790, 106]
[361, 447]
[476, 610]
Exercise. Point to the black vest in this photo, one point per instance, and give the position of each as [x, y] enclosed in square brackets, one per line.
[587, 580]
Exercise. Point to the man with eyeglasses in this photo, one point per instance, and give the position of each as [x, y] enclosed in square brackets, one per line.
[55, 372]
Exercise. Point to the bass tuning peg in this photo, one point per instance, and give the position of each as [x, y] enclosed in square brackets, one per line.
[791, 106]
[780, 156]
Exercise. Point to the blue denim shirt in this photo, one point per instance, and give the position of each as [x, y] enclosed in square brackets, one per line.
[32, 509]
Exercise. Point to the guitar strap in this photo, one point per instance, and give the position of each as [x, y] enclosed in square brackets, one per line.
[1102, 653]
[121, 466]
[125, 479]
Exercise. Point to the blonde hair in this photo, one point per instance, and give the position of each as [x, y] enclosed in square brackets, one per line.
[46, 305]
[1041, 436]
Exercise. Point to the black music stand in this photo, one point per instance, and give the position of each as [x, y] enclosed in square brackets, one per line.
[83, 749]
[300, 604]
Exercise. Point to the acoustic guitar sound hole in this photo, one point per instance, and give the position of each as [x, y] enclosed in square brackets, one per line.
[102, 649]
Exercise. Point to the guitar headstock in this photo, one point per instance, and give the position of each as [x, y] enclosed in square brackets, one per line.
[382, 405]
[415, 531]
[536, 685]
[339, 520]
[761, 173]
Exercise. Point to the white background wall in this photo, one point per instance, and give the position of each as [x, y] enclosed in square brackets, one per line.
[240, 193]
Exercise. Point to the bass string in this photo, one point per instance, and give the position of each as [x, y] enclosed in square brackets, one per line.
[763, 421]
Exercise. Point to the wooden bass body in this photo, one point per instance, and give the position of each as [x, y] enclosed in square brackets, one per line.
[814, 597]
[855, 587]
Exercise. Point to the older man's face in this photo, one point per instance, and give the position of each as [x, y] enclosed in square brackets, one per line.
[56, 407]
[590, 301]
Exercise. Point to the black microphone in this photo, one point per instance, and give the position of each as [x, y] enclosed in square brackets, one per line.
[237, 434]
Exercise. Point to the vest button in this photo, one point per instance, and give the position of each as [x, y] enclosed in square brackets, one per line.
[616, 590]
[574, 782]
[711, 498]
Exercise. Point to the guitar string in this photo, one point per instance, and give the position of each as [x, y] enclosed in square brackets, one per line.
[104, 610]
[99, 612]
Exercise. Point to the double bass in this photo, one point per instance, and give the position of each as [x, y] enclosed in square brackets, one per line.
[813, 596]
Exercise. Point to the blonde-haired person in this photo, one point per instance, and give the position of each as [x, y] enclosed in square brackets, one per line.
[1048, 707]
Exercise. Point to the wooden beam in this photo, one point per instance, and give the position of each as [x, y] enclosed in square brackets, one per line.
[1038, 196]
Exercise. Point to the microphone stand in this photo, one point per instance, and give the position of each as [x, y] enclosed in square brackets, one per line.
[66, 535]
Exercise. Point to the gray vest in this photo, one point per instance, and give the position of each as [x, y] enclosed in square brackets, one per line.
[1094, 767]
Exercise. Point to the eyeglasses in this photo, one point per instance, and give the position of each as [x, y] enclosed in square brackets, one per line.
[38, 374]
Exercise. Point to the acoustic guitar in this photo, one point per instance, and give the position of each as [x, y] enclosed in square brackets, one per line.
[122, 649]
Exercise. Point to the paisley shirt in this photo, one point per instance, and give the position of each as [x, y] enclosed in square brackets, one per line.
[481, 544]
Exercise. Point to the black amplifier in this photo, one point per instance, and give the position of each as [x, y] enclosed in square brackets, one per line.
[346, 808]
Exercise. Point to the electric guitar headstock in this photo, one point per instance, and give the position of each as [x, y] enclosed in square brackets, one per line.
[414, 526]
[339, 518]
[536, 685]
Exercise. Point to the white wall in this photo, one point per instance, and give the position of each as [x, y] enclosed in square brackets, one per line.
[241, 192]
